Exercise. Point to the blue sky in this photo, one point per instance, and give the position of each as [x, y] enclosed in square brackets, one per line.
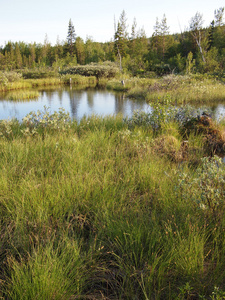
[30, 21]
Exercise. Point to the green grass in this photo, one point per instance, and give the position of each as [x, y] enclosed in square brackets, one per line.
[23, 95]
[97, 210]
[75, 80]
[180, 89]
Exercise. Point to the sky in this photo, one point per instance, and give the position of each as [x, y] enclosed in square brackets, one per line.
[32, 21]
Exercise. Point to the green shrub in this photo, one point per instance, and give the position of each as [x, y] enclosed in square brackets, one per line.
[46, 121]
[6, 77]
[206, 187]
[107, 70]
[38, 74]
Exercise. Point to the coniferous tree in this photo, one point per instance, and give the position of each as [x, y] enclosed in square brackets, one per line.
[71, 37]
[159, 41]
[121, 37]
[19, 60]
[219, 29]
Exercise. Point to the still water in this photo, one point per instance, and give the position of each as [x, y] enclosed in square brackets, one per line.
[77, 102]
[81, 102]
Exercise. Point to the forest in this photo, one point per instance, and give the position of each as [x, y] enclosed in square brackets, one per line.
[197, 50]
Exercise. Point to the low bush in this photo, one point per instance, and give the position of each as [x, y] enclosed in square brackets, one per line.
[10, 76]
[107, 70]
[38, 74]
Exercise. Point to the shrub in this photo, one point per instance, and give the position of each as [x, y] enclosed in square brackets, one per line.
[107, 70]
[45, 121]
[37, 74]
[6, 77]
[206, 187]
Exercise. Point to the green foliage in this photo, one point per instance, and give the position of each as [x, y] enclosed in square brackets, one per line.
[163, 113]
[44, 121]
[21, 96]
[6, 77]
[134, 52]
[38, 74]
[190, 63]
[107, 70]
[48, 273]
[71, 37]
[206, 187]
[78, 80]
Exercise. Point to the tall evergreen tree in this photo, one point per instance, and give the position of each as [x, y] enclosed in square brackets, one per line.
[219, 30]
[121, 37]
[19, 60]
[71, 37]
[159, 37]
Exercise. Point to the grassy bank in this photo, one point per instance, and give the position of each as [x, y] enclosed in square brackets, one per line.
[110, 209]
[180, 89]
[10, 81]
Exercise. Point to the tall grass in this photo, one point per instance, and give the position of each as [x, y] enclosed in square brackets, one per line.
[93, 210]
[181, 89]
[24, 95]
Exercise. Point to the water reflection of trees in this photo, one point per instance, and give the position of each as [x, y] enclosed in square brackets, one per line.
[90, 98]
[75, 97]
[49, 95]
[119, 103]
[80, 102]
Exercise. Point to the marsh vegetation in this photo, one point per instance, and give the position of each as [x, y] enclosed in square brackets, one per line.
[112, 208]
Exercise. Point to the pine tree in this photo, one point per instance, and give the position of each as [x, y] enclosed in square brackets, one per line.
[71, 37]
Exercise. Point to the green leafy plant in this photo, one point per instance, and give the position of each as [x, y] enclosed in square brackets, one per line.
[206, 187]
[44, 121]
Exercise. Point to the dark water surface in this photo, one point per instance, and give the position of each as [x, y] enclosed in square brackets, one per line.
[79, 103]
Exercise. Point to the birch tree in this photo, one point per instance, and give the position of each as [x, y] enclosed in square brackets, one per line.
[196, 23]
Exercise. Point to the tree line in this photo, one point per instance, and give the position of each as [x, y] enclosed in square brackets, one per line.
[198, 49]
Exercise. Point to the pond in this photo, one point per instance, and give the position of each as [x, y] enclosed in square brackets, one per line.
[81, 102]
[77, 102]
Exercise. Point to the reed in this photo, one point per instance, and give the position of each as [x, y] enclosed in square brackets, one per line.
[23, 95]
[15, 86]
[71, 79]
[44, 82]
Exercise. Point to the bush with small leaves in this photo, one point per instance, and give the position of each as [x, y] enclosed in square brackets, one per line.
[45, 121]
[106, 70]
[207, 187]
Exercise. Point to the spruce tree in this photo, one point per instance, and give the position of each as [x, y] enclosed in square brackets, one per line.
[71, 37]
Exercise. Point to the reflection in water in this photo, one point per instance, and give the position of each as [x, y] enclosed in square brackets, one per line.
[79, 103]
[90, 99]
[119, 100]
